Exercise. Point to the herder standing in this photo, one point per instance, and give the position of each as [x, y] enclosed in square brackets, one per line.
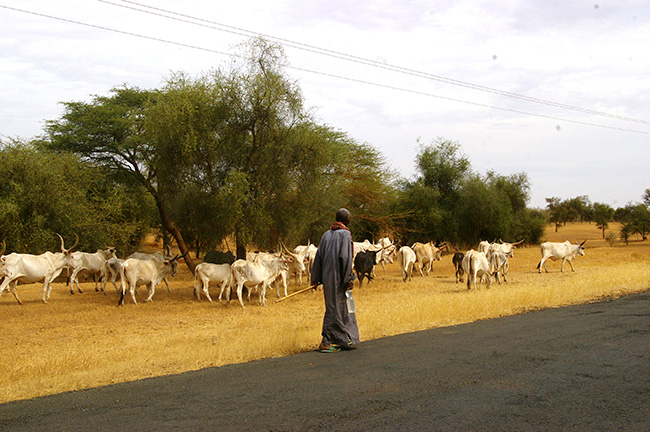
[333, 269]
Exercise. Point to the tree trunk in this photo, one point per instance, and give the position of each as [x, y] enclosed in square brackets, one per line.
[240, 249]
[170, 227]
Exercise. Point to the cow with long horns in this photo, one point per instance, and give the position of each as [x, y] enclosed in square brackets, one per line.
[28, 268]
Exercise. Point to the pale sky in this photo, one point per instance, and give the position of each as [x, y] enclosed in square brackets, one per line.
[559, 90]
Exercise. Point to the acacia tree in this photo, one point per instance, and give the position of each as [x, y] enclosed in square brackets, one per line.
[602, 214]
[229, 152]
[109, 131]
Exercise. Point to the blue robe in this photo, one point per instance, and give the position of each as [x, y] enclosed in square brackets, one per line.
[333, 268]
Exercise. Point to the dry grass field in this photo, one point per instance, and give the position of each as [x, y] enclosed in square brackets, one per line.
[85, 340]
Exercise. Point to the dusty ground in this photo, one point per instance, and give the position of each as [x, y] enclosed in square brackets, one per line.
[582, 368]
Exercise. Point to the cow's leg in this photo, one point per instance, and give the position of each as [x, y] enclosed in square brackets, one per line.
[167, 284]
[113, 279]
[206, 289]
[223, 286]
[262, 290]
[421, 268]
[571, 264]
[151, 288]
[563, 261]
[132, 289]
[542, 265]
[12, 288]
[73, 279]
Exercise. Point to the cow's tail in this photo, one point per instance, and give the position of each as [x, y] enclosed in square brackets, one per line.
[196, 286]
[122, 285]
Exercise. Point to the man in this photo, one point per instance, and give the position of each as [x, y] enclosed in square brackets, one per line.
[333, 268]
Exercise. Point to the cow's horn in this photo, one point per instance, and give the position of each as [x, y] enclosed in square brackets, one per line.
[76, 242]
[176, 257]
[4, 247]
[519, 242]
[582, 244]
[62, 245]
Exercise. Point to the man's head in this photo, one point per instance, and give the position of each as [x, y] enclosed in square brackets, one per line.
[343, 216]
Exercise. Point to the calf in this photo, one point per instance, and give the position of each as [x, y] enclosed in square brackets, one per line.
[457, 260]
[476, 265]
[406, 260]
[205, 273]
[364, 264]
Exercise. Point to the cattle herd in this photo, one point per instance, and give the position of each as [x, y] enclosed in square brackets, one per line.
[260, 270]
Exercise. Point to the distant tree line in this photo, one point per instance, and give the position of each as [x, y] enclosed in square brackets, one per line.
[234, 154]
[634, 217]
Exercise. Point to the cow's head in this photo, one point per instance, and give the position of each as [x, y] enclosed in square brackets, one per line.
[289, 258]
[581, 248]
[173, 263]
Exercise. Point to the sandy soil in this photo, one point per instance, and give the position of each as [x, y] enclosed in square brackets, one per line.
[582, 368]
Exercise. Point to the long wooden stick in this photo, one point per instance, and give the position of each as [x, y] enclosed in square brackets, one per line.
[293, 294]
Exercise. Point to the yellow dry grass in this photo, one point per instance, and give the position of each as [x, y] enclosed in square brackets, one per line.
[85, 340]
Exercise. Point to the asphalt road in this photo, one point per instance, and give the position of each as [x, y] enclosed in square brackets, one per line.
[584, 368]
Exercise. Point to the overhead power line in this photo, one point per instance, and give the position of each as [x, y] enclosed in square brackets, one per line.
[185, 45]
[368, 62]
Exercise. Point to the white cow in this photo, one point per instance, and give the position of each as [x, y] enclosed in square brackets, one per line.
[499, 265]
[363, 247]
[28, 268]
[112, 267]
[564, 251]
[93, 263]
[506, 248]
[257, 275]
[406, 259]
[157, 256]
[297, 267]
[425, 254]
[484, 246]
[310, 255]
[206, 273]
[476, 265]
[387, 253]
[136, 272]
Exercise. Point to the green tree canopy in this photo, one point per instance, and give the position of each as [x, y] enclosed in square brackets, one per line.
[43, 194]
